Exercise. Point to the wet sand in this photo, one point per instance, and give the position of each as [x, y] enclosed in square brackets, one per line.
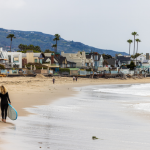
[26, 92]
[70, 122]
[29, 91]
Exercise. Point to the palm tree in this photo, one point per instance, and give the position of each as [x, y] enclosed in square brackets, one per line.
[11, 36]
[57, 37]
[134, 34]
[129, 41]
[54, 46]
[21, 46]
[137, 40]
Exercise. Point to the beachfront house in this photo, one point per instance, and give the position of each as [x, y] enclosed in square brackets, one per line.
[10, 59]
[62, 61]
[141, 58]
[84, 60]
[71, 64]
[55, 60]
[98, 60]
[94, 60]
[50, 61]
[30, 57]
[146, 63]
[79, 59]
[123, 60]
[89, 62]
[58, 60]
[111, 62]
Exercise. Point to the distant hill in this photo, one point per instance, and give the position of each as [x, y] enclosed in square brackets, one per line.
[45, 41]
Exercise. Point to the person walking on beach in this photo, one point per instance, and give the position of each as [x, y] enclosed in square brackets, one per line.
[4, 102]
[76, 78]
[73, 78]
[53, 80]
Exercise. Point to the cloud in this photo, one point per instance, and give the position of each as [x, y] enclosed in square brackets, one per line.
[11, 4]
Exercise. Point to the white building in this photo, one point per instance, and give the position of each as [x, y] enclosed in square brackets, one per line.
[79, 58]
[10, 59]
[141, 58]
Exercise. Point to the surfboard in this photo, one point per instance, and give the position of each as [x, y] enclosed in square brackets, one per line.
[12, 113]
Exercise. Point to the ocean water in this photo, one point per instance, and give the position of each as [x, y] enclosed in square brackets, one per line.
[104, 111]
[127, 89]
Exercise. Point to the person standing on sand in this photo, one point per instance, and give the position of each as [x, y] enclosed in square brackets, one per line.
[73, 78]
[4, 102]
[53, 80]
[76, 78]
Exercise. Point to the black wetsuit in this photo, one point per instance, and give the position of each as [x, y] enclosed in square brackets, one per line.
[4, 104]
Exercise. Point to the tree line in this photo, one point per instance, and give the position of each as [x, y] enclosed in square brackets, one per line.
[23, 47]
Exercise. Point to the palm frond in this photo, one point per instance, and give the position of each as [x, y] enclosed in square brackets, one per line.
[129, 41]
[54, 39]
[11, 36]
[137, 40]
[57, 36]
[134, 33]
[54, 45]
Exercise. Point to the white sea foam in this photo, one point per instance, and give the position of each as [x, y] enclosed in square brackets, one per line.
[136, 89]
[142, 106]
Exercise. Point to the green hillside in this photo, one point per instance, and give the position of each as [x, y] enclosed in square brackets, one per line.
[45, 41]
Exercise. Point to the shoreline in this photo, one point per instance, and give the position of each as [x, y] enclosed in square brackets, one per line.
[30, 92]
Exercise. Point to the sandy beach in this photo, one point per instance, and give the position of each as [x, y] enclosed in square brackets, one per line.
[27, 92]
[30, 91]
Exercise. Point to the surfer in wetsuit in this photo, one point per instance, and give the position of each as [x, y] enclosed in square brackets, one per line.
[4, 102]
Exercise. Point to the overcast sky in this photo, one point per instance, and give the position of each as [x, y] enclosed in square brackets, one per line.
[105, 24]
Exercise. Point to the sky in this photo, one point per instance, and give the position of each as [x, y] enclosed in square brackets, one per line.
[105, 24]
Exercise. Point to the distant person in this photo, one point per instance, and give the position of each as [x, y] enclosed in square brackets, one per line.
[4, 102]
[73, 78]
[76, 78]
[53, 80]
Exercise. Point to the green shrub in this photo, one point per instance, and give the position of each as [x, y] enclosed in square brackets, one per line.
[37, 65]
[2, 66]
[88, 69]
[64, 70]
[131, 66]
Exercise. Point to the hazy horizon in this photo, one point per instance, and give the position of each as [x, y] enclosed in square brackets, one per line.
[101, 24]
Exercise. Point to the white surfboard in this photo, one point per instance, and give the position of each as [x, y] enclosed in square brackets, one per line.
[12, 113]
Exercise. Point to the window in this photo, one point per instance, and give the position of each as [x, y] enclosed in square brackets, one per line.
[96, 63]
[96, 57]
[68, 65]
[9, 58]
[35, 60]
